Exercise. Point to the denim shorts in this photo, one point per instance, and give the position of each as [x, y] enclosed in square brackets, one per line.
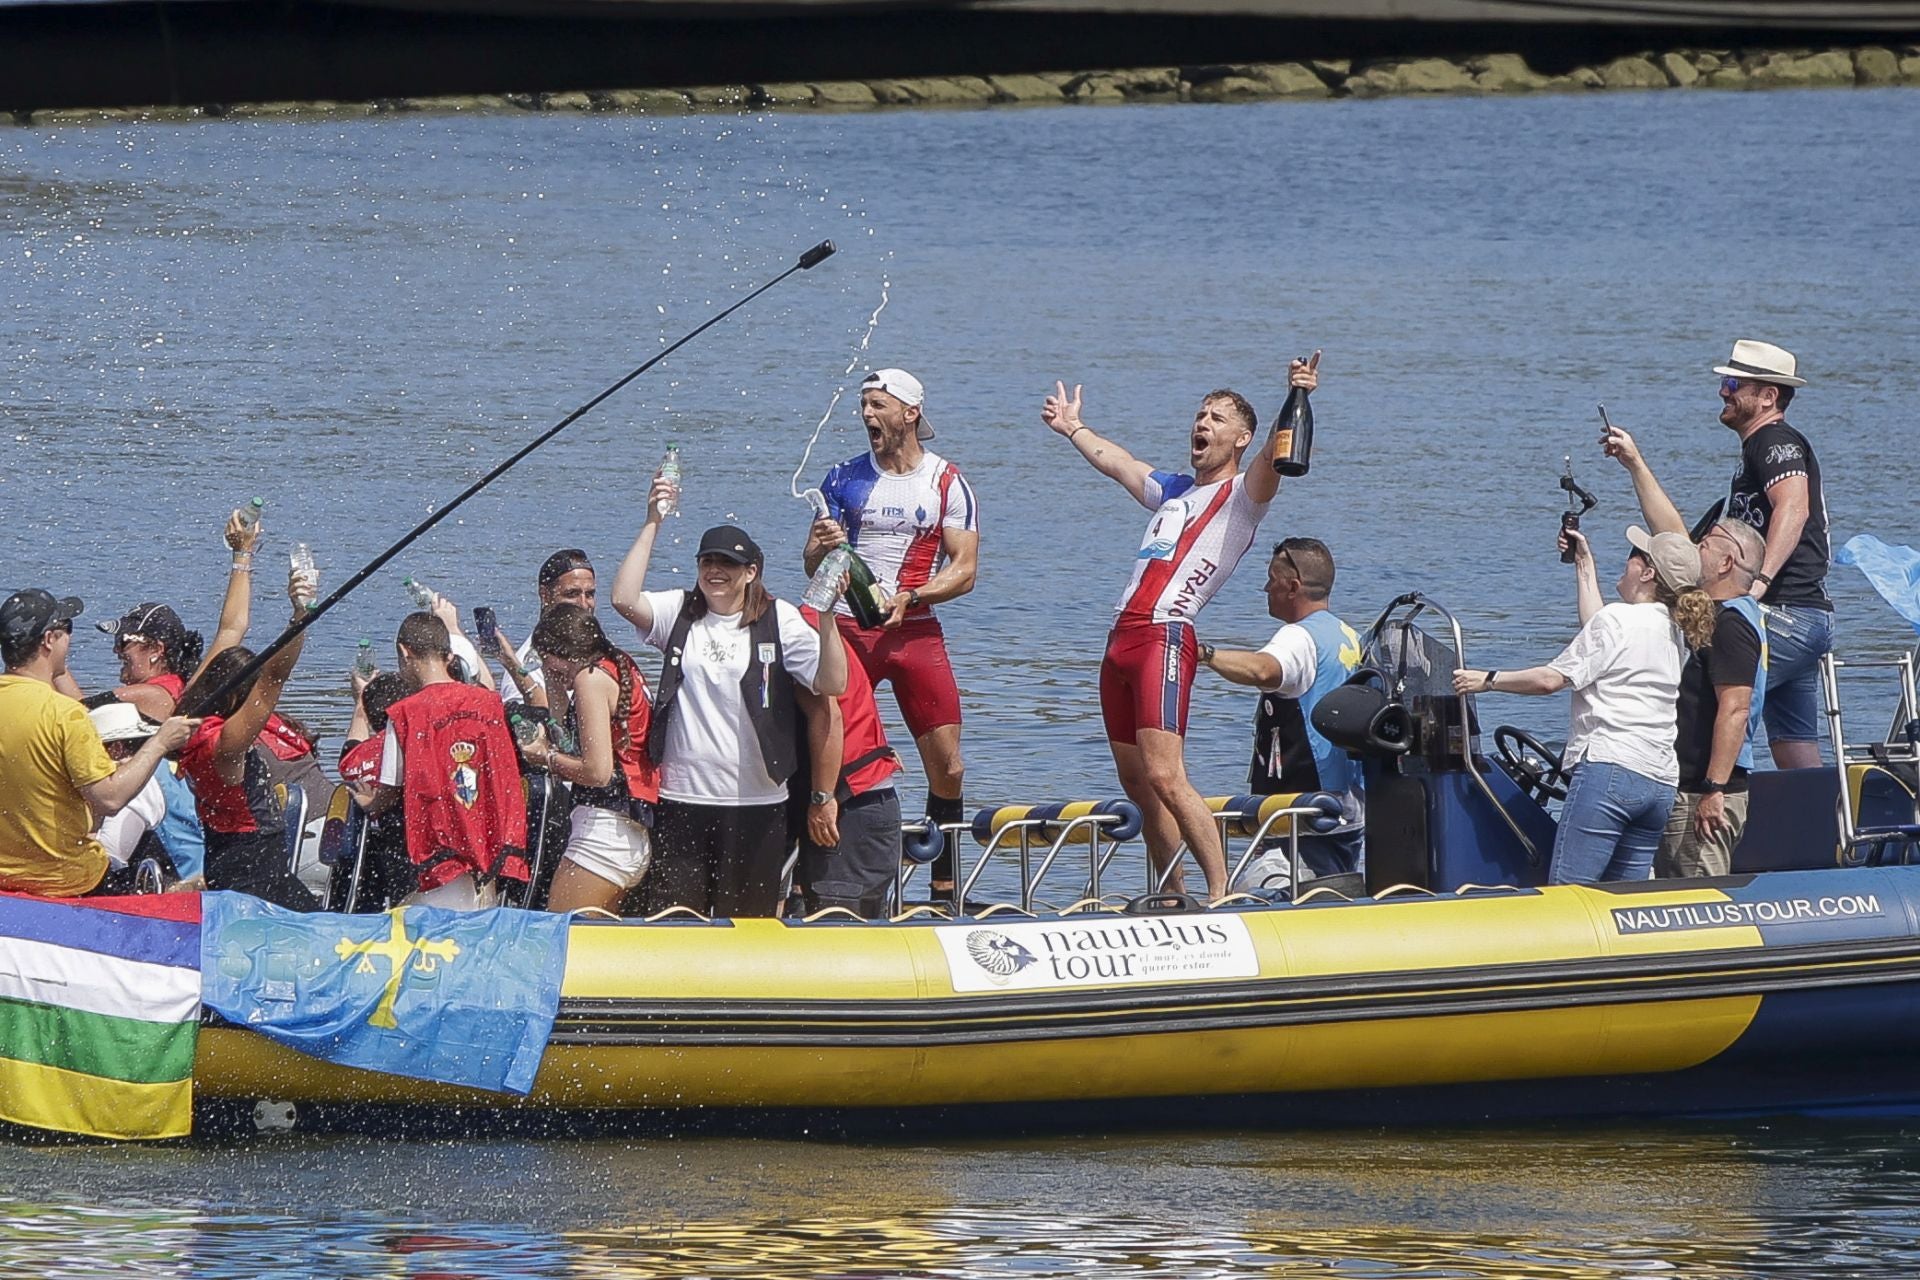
[1797, 637]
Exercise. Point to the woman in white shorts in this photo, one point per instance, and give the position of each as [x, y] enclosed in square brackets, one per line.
[615, 784]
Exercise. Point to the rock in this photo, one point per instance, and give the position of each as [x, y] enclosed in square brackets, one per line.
[1874, 65]
[1361, 87]
[1705, 62]
[81, 115]
[1786, 70]
[1423, 75]
[573, 101]
[1632, 73]
[1729, 77]
[718, 95]
[784, 94]
[844, 93]
[1332, 70]
[1060, 79]
[463, 102]
[1147, 82]
[890, 93]
[528, 101]
[1229, 89]
[656, 100]
[1680, 73]
[1505, 73]
[1288, 80]
[1910, 69]
[1024, 89]
[1095, 87]
[948, 91]
[1586, 78]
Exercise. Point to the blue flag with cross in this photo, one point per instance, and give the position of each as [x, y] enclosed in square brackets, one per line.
[1893, 571]
[459, 997]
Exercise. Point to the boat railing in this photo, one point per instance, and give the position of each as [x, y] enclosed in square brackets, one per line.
[1256, 817]
[1018, 831]
[1896, 842]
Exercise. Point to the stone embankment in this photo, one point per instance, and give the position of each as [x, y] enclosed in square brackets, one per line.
[1323, 78]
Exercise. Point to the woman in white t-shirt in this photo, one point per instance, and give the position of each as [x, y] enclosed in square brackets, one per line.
[726, 721]
[1624, 668]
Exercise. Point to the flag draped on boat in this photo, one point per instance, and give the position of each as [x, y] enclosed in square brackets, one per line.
[1893, 571]
[99, 1014]
[461, 997]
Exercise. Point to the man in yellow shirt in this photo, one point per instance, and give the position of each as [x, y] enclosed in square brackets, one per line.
[56, 779]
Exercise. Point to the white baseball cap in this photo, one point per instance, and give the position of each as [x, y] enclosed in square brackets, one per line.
[905, 388]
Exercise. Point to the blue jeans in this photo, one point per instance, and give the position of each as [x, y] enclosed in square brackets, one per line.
[1610, 825]
[1797, 638]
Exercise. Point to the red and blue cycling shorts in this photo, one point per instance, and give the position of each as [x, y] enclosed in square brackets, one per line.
[1146, 678]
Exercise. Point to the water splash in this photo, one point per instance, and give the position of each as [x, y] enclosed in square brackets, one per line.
[873, 322]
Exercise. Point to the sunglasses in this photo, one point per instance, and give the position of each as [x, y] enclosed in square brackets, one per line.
[1730, 386]
[121, 642]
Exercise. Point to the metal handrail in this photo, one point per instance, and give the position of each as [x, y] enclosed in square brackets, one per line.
[1029, 878]
[1223, 818]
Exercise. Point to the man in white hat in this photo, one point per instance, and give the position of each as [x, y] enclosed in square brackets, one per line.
[913, 518]
[1775, 489]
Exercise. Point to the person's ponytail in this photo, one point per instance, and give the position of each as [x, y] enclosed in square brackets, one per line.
[1694, 612]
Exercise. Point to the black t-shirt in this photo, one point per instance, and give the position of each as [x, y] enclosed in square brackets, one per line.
[1733, 658]
[1771, 454]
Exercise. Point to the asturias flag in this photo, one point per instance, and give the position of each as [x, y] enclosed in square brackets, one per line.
[461, 997]
[99, 1014]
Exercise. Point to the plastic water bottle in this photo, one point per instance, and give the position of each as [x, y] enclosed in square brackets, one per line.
[250, 514]
[824, 587]
[300, 560]
[670, 471]
[421, 593]
[363, 661]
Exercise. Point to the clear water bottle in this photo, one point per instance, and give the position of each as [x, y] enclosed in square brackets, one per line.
[250, 514]
[824, 588]
[363, 661]
[300, 560]
[420, 592]
[670, 471]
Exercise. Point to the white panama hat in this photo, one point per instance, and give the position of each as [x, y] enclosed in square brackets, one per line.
[1762, 362]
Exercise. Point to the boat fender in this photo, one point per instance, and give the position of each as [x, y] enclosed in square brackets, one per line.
[924, 846]
[1360, 718]
[1163, 904]
[1329, 807]
[1049, 819]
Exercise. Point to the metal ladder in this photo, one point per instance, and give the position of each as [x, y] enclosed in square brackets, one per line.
[1898, 842]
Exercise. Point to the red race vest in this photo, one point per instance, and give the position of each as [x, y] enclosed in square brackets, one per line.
[466, 812]
[641, 773]
[284, 740]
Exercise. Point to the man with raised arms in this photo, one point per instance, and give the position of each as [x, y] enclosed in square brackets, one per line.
[1202, 524]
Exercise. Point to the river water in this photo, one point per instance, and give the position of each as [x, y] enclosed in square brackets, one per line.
[354, 319]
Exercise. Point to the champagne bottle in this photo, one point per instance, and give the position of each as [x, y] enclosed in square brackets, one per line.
[1293, 434]
[865, 600]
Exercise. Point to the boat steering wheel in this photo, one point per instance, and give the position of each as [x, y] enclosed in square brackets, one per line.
[1529, 762]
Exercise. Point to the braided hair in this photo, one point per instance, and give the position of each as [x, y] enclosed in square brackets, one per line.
[571, 633]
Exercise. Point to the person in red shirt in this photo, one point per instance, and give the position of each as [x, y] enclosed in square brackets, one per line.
[243, 818]
[386, 874]
[615, 783]
[449, 760]
[850, 853]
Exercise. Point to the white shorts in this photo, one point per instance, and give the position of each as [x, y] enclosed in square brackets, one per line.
[610, 845]
[462, 893]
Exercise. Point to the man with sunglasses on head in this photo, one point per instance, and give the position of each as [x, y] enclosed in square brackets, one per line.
[1775, 490]
[56, 780]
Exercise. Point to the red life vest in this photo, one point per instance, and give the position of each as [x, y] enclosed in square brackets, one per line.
[867, 760]
[465, 809]
[636, 766]
[284, 740]
[228, 808]
[170, 683]
[360, 763]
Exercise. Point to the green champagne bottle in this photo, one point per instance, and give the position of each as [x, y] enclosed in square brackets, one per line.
[865, 599]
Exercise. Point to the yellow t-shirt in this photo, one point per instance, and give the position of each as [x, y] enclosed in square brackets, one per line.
[49, 749]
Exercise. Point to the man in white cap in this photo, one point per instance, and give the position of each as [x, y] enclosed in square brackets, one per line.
[913, 518]
[1776, 490]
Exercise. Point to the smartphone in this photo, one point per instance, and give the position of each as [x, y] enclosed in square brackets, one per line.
[1606, 423]
[486, 630]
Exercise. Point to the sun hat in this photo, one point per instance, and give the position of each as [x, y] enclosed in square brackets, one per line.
[121, 722]
[905, 388]
[1762, 362]
[1675, 560]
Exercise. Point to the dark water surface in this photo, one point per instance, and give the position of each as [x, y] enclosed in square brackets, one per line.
[354, 319]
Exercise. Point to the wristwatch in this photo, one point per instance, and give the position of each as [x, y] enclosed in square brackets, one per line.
[913, 597]
[1206, 655]
[1712, 788]
[819, 797]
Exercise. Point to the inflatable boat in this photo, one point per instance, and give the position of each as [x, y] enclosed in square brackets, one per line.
[1448, 986]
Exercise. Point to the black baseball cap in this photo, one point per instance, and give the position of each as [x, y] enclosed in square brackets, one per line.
[732, 543]
[28, 615]
[154, 622]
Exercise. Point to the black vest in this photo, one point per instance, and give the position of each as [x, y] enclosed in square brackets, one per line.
[772, 709]
[1280, 738]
